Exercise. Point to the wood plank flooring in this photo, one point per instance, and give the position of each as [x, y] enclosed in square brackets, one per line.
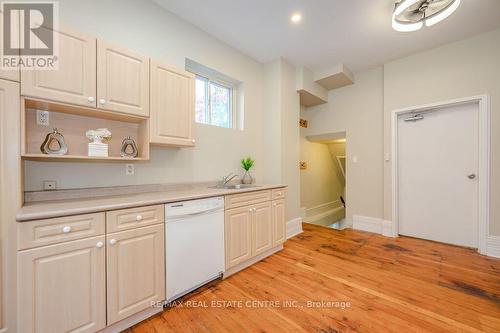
[347, 281]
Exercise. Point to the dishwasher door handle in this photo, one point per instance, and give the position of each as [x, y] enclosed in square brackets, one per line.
[194, 213]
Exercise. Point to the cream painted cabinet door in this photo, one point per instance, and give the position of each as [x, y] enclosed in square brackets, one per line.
[172, 106]
[135, 271]
[122, 80]
[262, 228]
[62, 288]
[12, 75]
[75, 80]
[279, 223]
[238, 235]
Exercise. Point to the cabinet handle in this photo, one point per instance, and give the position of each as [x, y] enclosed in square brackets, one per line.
[91, 99]
[193, 141]
[66, 229]
[250, 210]
[275, 204]
[138, 218]
[99, 245]
[102, 101]
[112, 241]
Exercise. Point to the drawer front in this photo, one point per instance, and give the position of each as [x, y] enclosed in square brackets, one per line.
[279, 193]
[58, 230]
[245, 199]
[131, 218]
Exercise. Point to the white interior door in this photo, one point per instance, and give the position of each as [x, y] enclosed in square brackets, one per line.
[437, 175]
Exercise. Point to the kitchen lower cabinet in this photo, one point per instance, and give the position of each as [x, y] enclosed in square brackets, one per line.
[238, 235]
[263, 228]
[62, 288]
[255, 228]
[135, 271]
[279, 222]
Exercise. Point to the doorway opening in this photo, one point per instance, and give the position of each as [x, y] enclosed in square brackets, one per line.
[323, 179]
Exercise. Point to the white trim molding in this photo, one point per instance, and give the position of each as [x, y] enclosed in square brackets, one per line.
[293, 227]
[373, 224]
[484, 161]
[493, 246]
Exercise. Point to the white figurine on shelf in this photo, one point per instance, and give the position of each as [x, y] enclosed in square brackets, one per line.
[97, 148]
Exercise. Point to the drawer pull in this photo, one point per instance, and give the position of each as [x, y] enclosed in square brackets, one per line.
[99, 245]
[138, 218]
[66, 229]
[112, 241]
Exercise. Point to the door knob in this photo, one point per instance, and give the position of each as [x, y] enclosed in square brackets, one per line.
[99, 245]
[91, 99]
[102, 101]
[112, 241]
[472, 176]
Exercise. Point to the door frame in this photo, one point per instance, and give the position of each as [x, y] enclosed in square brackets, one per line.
[483, 163]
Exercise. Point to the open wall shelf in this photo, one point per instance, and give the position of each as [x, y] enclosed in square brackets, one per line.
[72, 122]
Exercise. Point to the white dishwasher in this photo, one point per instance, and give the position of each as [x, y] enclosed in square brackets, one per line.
[194, 244]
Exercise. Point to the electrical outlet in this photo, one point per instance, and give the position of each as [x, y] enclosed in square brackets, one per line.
[42, 117]
[49, 185]
[129, 169]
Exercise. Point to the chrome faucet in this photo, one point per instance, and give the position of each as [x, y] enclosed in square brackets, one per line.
[226, 179]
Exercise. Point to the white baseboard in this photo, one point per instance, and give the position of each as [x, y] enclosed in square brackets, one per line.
[293, 227]
[373, 224]
[493, 246]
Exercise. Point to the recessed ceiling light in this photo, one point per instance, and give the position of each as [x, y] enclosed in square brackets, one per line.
[296, 18]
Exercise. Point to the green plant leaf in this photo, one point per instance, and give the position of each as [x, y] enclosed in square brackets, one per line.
[247, 163]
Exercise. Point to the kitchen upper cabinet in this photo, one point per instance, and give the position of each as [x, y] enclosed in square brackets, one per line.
[238, 235]
[122, 80]
[279, 222]
[75, 80]
[135, 271]
[172, 106]
[12, 75]
[263, 228]
[62, 288]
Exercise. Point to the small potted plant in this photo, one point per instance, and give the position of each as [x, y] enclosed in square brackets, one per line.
[247, 164]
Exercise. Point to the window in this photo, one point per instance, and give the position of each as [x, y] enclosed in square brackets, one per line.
[214, 103]
[219, 98]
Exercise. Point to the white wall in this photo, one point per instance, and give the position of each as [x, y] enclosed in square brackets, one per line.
[357, 110]
[319, 183]
[147, 28]
[462, 69]
[281, 131]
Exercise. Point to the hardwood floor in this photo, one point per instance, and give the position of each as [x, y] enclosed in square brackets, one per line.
[372, 284]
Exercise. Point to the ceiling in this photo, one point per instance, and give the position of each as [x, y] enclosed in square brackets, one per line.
[355, 32]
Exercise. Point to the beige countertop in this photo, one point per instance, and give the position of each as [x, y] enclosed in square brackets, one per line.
[99, 203]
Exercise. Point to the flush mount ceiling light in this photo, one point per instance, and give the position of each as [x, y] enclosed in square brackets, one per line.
[296, 18]
[412, 15]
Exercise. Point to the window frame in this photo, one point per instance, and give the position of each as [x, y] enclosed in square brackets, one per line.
[208, 107]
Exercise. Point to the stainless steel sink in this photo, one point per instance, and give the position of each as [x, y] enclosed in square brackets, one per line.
[235, 186]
